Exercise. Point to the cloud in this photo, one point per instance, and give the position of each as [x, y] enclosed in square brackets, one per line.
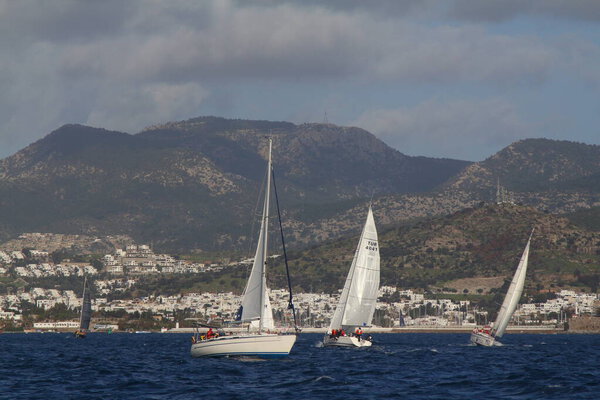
[123, 65]
[453, 10]
[220, 41]
[502, 10]
[462, 129]
[129, 108]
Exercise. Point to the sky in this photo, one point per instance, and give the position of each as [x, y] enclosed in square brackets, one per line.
[456, 78]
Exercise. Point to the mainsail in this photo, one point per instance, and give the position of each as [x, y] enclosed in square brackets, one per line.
[255, 302]
[509, 305]
[86, 308]
[359, 296]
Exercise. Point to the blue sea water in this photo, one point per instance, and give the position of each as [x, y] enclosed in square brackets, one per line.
[415, 366]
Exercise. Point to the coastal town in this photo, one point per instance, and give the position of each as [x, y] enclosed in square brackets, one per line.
[120, 271]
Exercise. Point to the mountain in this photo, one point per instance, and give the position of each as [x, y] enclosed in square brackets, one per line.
[479, 242]
[557, 176]
[561, 176]
[193, 185]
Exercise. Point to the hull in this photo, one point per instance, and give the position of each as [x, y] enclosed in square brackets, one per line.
[346, 341]
[261, 346]
[483, 339]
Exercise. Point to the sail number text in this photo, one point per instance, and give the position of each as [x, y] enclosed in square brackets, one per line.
[371, 245]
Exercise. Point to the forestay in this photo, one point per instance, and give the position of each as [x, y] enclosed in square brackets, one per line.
[359, 296]
[509, 305]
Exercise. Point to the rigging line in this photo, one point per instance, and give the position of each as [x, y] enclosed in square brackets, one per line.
[287, 268]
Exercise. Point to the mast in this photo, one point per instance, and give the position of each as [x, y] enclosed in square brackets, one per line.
[265, 224]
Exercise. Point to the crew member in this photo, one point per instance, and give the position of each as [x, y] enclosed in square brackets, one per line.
[358, 332]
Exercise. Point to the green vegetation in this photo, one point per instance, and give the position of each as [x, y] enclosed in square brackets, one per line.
[483, 241]
[588, 218]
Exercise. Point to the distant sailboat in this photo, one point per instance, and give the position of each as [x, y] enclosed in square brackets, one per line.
[86, 312]
[359, 296]
[487, 336]
[256, 308]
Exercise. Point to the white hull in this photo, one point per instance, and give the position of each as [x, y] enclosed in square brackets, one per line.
[483, 339]
[252, 345]
[346, 341]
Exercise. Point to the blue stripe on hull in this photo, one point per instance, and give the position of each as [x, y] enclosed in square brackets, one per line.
[243, 354]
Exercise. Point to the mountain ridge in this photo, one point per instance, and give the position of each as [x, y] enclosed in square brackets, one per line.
[189, 185]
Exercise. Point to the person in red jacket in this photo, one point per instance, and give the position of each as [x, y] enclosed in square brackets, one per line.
[358, 332]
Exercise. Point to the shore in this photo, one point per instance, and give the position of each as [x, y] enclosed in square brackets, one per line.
[444, 329]
[407, 329]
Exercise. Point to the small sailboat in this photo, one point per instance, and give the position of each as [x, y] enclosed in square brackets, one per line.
[86, 312]
[488, 335]
[359, 296]
[260, 341]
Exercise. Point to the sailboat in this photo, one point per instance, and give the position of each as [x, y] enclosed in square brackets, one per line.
[488, 335]
[86, 312]
[260, 341]
[359, 296]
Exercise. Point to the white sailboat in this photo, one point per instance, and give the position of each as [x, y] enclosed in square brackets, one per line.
[86, 312]
[488, 335]
[260, 341]
[359, 296]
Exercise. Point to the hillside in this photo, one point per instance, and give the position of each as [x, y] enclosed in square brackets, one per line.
[588, 218]
[193, 185]
[556, 176]
[560, 176]
[484, 241]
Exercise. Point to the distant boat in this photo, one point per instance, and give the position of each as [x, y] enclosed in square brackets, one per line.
[260, 341]
[488, 335]
[86, 312]
[359, 296]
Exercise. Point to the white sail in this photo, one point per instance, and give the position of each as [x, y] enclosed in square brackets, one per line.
[255, 302]
[509, 305]
[268, 322]
[359, 296]
[86, 308]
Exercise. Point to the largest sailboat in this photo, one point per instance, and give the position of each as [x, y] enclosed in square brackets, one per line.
[488, 336]
[260, 340]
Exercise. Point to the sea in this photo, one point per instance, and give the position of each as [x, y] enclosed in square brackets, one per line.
[398, 366]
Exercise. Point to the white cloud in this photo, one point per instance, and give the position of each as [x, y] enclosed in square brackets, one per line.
[500, 10]
[130, 108]
[462, 129]
[125, 65]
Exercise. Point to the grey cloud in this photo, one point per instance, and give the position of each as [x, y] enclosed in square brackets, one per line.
[128, 108]
[465, 10]
[462, 129]
[468, 53]
[64, 20]
[113, 64]
[501, 10]
[287, 43]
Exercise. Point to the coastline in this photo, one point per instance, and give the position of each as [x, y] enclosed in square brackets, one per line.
[537, 329]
